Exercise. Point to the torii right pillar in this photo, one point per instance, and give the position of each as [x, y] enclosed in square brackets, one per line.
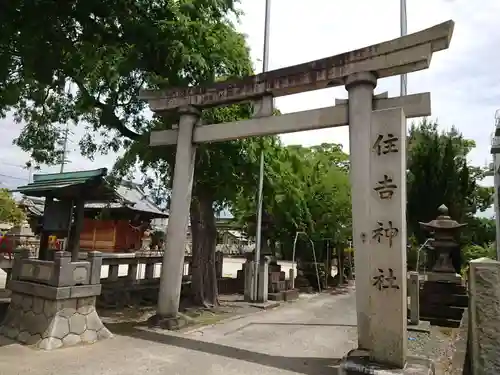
[378, 179]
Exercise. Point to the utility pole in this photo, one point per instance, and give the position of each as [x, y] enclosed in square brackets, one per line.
[403, 23]
[65, 148]
[258, 234]
[495, 151]
[29, 167]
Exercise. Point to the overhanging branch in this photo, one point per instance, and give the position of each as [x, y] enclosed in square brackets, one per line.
[108, 116]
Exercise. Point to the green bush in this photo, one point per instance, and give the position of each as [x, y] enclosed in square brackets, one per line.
[471, 252]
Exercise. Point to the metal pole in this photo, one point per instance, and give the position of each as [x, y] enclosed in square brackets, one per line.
[496, 191]
[404, 26]
[496, 180]
[258, 235]
[65, 148]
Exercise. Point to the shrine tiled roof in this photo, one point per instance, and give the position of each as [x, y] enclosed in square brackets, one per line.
[129, 196]
[132, 197]
[88, 185]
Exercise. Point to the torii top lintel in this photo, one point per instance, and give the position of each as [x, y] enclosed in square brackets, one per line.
[398, 56]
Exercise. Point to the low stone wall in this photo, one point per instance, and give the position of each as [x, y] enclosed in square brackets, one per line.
[484, 313]
[228, 285]
[460, 360]
[51, 324]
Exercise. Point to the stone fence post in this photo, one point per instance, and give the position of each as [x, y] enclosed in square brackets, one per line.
[19, 255]
[95, 259]
[484, 315]
[219, 263]
[413, 292]
[61, 261]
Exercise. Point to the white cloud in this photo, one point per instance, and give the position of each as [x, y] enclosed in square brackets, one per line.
[464, 80]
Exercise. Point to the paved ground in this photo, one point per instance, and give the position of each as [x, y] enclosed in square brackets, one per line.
[304, 337]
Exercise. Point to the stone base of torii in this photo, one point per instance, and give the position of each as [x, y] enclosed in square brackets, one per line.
[378, 175]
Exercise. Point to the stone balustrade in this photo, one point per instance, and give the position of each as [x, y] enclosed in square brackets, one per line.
[61, 272]
[141, 267]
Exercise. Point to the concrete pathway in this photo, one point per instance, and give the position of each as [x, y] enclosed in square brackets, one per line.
[304, 337]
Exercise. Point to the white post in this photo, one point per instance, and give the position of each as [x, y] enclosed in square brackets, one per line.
[403, 24]
[387, 238]
[172, 268]
[258, 233]
[360, 88]
[496, 182]
[414, 291]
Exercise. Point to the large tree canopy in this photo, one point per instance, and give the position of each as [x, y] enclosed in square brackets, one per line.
[85, 62]
[305, 189]
[440, 174]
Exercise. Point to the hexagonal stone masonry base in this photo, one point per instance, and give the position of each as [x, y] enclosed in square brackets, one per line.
[50, 324]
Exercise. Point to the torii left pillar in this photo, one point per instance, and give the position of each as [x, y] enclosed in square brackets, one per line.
[172, 268]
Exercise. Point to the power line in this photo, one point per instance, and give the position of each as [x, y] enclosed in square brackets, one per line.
[13, 177]
[12, 165]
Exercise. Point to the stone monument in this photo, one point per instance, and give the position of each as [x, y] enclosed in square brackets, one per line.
[443, 297]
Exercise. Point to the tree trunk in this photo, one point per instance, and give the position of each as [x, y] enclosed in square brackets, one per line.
[204, 236]
[264, 243]
[273, 248]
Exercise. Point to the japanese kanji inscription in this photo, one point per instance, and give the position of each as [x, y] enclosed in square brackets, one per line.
[382, 231]
[385, 280]
[385, 144]
[385, 188]
[387, 231]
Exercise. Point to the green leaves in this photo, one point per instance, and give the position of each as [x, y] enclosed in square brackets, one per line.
[9, 211]
[440, 174]
[85, 61]
[305, 189]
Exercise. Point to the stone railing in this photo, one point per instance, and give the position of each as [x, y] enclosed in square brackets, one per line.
[133, 278]
[60, 272]
[140, 267]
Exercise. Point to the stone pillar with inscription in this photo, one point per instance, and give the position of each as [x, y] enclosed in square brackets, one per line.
[387, 241]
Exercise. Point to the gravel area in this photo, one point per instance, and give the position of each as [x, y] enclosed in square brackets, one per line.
[435, 345]
[126, 318]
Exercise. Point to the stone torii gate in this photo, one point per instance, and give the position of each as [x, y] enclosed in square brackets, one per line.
[377, 156]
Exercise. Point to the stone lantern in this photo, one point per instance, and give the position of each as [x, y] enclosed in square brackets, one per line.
[443, 298]
[443, 252]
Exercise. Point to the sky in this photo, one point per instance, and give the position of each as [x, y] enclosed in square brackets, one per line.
[464, 80]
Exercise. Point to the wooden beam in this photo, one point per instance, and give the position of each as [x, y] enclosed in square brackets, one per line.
[402, 55]
[416, 105]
